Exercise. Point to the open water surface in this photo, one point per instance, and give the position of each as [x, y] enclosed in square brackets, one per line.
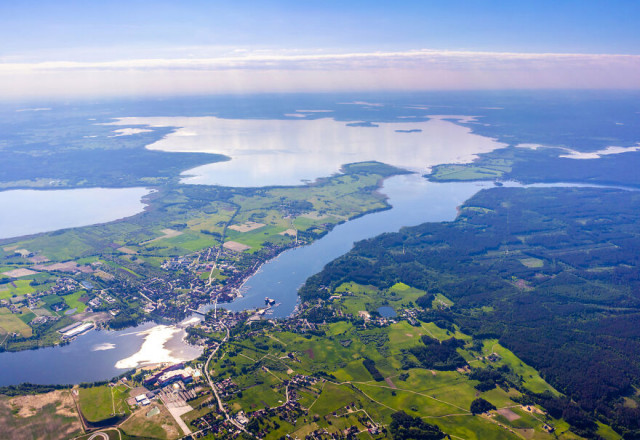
[27, 211]
[97, 355]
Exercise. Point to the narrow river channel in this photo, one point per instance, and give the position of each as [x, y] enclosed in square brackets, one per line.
[414, 200]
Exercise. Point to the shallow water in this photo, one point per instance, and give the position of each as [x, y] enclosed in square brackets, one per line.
[97, 355]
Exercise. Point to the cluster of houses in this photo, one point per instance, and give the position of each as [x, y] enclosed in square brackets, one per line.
[226, 387]
[223, 319]
[63, 286]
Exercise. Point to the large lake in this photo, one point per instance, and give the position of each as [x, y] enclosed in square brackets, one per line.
[288, 151]
[32, 211]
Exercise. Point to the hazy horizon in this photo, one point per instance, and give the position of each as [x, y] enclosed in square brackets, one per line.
[138, 49]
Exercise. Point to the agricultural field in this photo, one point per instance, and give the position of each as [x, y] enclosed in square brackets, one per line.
[15, 288]
[12, 323]
[73, 301]
[347, 394]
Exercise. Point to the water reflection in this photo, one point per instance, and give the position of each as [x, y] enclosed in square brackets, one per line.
[286, 152]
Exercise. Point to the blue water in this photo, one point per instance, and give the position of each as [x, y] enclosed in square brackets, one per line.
[90, 357]
[414, 201]
[387, 312]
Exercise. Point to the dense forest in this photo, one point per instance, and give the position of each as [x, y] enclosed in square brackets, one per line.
[553, 273]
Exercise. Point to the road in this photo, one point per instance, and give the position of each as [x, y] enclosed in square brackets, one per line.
[206, 373]
[215, 390]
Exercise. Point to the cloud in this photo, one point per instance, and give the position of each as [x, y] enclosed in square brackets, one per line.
[263, 72]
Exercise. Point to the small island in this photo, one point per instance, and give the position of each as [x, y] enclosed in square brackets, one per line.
[413, 130]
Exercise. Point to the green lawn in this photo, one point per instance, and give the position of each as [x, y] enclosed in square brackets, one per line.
[22, 288]
[96, 403]
[73, 302]
[10, 323]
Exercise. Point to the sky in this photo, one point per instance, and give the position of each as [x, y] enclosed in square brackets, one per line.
[144, 48]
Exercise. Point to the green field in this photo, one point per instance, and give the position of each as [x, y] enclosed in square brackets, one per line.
[72, 300]
[532, 262]
[440, 397]
[22, 288]
[98, 403]
[467, 172]
[10, 323]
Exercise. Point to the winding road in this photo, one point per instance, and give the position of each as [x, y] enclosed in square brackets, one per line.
[215, 390]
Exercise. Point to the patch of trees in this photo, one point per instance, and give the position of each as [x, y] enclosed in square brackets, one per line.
[297, 207]
[425, 301]
[128, 374]
[319, 314]
[479, 406]
[438, 355]
[254, 425]
[126, 318]
[405, 427]
[214, 234]
[373, 371]
[325, 375]
[24, 389]
[491, 377]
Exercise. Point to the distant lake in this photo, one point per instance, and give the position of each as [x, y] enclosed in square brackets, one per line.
[27, 211]
[267, 152]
